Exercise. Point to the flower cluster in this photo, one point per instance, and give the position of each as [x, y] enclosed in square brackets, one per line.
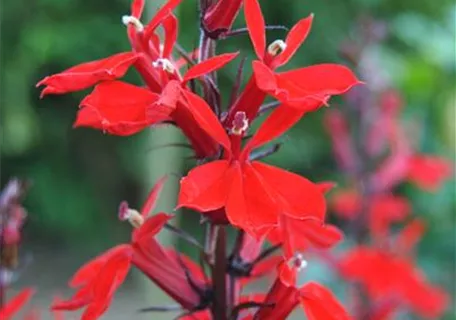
[278, 215]
[264, 203]
[375, 162]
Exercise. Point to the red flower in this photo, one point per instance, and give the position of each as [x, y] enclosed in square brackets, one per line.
[14, 305]
[429, 172]
[426, 171]
[394, 280]
[219, 16]
[122, 109]
[297, 236]
[236, 183]
[306, 89]
[382, 210]
[98, 280]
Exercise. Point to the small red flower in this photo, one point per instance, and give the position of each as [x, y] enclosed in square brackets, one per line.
[429, 172]
[98, 280]
[15, 304]
[305, 89]
[383, 210]
[235, 183]
[387, 276]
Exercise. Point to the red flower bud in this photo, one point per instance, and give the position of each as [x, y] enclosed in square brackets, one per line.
[219, 17]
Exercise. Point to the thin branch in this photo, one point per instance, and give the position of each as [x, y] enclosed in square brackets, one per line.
[268, 106]
[265, 152]
[184, 235]
[242, 31]
[237, 83]
[266, 253]
[161, 309]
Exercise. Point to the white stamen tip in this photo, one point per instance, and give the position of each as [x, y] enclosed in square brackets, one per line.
[126, 20]
[165, 64]
[277, 47]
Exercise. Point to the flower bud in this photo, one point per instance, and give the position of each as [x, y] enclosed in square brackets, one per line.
[219, 17]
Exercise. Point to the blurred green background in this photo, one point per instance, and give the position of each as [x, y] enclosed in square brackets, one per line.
[80, 176]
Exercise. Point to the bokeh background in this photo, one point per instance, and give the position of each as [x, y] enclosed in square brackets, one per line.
[80, 176]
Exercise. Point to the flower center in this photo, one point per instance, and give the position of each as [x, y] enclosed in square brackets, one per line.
[297, 262]
[240, 123]
[164, 64]
[277, 47]
[132, 215]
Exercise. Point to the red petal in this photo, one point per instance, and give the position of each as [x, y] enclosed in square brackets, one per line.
[299, 235]
[16, 303]
[326, 186]
[82, 298]
[151, 227]
[151, 200]
[385, 210]
[327, 79]
[279, 121]
[256, 26]
[320, 304]
[295, 38]
[137, 7]
[266, 266]
[112, 275]
[159, 16]
[209, 65]
[410, 235]
[205, 187]
[306, 88]
[245, 209]
[287, 275]
[206, 119]
[170, 27]
[264, 77]
[346, 203]
[88, 74]
[429, 172]
[89, 270]
[121, 109]
[299, 197]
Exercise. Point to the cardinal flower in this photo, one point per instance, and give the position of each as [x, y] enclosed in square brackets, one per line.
[305, 89]
[122, 109]
[98, 280]
[253, 194]
[391, 277]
